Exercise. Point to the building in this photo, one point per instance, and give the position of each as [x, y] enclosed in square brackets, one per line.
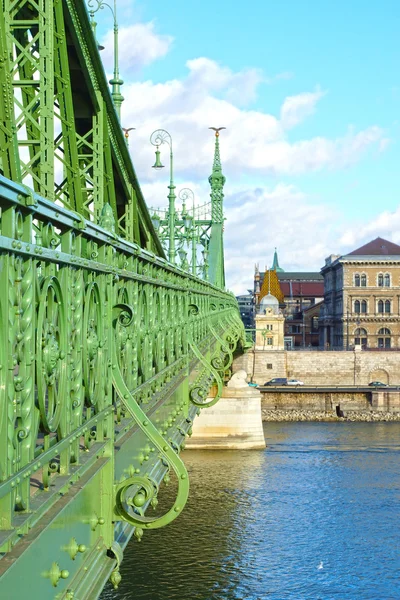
[246, 309]
[297, 292]
[362, 298]
[269, 324]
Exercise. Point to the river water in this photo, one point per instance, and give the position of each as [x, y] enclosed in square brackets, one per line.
[315, 516]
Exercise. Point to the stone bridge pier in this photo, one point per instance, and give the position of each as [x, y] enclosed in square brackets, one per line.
[234, 423]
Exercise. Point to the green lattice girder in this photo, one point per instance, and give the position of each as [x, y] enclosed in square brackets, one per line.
[59, 132]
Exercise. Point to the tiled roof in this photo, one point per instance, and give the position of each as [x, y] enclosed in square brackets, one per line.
[303, 288]
[300, 276]
[297, 276]
[377, 247]
[271, 284]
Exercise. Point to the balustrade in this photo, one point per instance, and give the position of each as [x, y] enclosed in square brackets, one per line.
[95, 332]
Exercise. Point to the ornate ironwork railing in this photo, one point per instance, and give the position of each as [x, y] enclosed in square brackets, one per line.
[99, 339]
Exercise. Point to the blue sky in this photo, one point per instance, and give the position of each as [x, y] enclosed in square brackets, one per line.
[310, 94]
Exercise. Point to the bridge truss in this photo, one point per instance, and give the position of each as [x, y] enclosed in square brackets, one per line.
[107, 351]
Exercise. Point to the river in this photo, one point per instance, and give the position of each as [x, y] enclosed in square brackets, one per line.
[315, 516]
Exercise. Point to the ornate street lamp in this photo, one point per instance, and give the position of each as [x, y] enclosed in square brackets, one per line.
[155, 219]
[157, 138]
[189, 223]
[116, 81]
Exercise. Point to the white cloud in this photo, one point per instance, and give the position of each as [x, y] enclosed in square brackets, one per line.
[207, 75]
[139, 45]
[254, 142]
[255, 145]
[386, 225]
[258, 217]
[297, 108]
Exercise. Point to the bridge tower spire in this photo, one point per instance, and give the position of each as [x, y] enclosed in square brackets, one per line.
[216, 244]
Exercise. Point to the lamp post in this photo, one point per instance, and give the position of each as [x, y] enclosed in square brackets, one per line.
[157, 138]
[189, 223]
[116, 81]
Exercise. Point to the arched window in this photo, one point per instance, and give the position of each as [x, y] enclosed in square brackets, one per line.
[380, 306]
[387, 306]
[361, 337]
[387, 280]
[357, 307]
[384, 339]
[384, 331]
[363, 280]
[363, 306]
[357, 280]
[380, 280]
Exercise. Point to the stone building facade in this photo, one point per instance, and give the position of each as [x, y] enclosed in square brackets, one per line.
[270, 325]
[361, 306]
[297, 292]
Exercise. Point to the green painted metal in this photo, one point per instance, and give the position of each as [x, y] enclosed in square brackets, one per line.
[216, 246]
[107, 350]
[158, 137]
[199, 227]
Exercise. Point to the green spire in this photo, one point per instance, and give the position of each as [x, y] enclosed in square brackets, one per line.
[217, 181]
[216, 272]
[275, 264]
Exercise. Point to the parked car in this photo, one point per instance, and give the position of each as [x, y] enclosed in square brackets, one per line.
[378, 384]
[295, 382]
[251, 384]
[277, 381]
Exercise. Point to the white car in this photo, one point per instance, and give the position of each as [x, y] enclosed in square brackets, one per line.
[294, 382]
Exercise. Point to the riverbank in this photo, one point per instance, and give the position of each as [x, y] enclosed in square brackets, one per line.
[330, 416]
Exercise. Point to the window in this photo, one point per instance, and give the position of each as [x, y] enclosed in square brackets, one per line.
[269, 341]
[314, 323]
[295, 329]
[363, 280]
[380, 306]
[387, 306]
[363, 307]
[387, 280]
[380, 280]
[361, 337]
[384, 339]
[268, 327]
[357, 280]
[357, 307]
[269, 365]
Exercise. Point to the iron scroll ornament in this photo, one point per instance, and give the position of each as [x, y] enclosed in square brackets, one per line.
[147, 490]
[225, 352]
[200, 389]
[93, 373]
[51, 344]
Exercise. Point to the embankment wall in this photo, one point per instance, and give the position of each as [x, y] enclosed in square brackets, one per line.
[321, 367]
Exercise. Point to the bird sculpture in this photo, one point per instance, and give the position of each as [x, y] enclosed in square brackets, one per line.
[126, 131]
[217, 130]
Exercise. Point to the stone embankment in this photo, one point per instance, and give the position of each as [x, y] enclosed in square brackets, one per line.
[311, 415]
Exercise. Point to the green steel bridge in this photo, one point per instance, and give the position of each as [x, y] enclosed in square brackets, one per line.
[107, 349]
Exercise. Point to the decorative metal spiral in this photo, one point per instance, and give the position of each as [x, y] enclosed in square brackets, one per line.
[186, 194]
[51, 352]
[96, 5]
[160, 136]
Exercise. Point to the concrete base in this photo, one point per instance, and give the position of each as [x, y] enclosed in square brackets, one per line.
[234, 423]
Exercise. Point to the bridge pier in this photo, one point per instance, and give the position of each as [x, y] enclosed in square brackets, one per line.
[234, 423]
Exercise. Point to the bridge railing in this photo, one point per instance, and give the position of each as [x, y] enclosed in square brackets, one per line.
[77, 305]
